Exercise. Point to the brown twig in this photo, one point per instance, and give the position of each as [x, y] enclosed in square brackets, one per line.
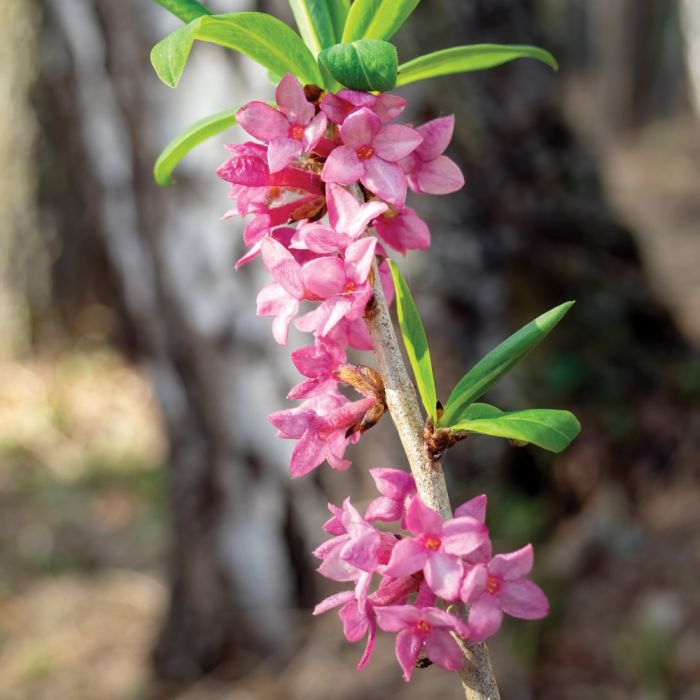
[476, 674]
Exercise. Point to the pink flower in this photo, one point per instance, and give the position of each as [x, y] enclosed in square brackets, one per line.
[501, 587]
[403, 230]
[397, 488]
[289, 132]
[317, 362]
[420, 628]
[436, 547]
[339, 106]
[342, 284]
[370, 154]
[427, 170]
[348, 220]
[319, 424]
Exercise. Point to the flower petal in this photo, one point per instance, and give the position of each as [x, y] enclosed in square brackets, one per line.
[524, 599]
[463, 535]
[443, 574]
[325, 276]
[422, 520]
[281, 152]
[307, 454]
[292, 102]
[262, 121]
[407, 557]
[333, 601]
[343, 166]
[355, 622]
[386, 180]
[408, 646]
[437, 135]
[358, 259]
[474, 583]
[513, 565]
[485, 616]
[443, 650]
[396, 141]
[394, 483]
[314, 131]
[439, 176]
[474, 508]
[360, 128]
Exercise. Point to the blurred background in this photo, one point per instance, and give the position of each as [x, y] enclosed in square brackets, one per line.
[152, 544]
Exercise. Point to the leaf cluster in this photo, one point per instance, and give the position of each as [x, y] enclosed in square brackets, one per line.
[339, 44]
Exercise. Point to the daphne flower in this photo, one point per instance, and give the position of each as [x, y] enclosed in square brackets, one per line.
[420, 628]
[342, 284]
[397, 488]
[370, 154]
[339, 106]
[319, 424]
[290, 131]
[436, 548]
[501, 587]
[403, 230]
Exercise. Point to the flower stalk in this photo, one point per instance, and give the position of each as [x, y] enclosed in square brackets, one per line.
[476, 674]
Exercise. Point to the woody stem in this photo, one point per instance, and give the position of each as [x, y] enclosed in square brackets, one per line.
[476, 674]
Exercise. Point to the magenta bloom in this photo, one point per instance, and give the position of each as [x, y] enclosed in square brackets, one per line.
[339, 106]
[397, 488]
[423, 627]
[370, 153]
[342, 284]
[501, 587]
[320, 424]
[289, 132]
[436, 548]
[403, 230]
[317, 362]
[348, 220]
[427, 169]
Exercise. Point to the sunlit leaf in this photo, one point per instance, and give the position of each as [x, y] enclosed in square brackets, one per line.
[366, 64]
[259, 36]
[183, 143]
[415, 341]
[547, 428]
[186, 10]
[478, 380]
[462, 59]
[320, 22]
[376, 19]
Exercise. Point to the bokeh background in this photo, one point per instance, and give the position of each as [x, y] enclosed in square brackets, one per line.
[151, 542]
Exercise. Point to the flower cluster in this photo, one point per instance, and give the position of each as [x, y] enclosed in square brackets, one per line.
[336, 155]
[449, 561]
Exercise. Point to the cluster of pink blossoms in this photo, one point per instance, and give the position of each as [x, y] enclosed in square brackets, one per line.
[336, 155]
[316, 148]
[449, 560]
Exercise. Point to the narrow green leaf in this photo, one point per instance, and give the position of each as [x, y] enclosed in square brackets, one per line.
[183, 143]
[480, 378]
[318, 21]
[462, 59]
[551, 429]
[259, 36]
[186, 10]
[415, 341]
[366, 64]
[376, 19]
[339, 13]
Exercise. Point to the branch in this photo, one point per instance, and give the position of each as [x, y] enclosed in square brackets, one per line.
[476, 674]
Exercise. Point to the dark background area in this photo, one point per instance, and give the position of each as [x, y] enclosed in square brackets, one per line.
[152, 544]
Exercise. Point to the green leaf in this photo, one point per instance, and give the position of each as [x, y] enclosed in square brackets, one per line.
[186, 10]
[415, 341]
[366, 64]
[376, 19]
[259, 36]
[480, 378]
[320, 22]
[551, 429]
[183, 143]
[462, 59]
